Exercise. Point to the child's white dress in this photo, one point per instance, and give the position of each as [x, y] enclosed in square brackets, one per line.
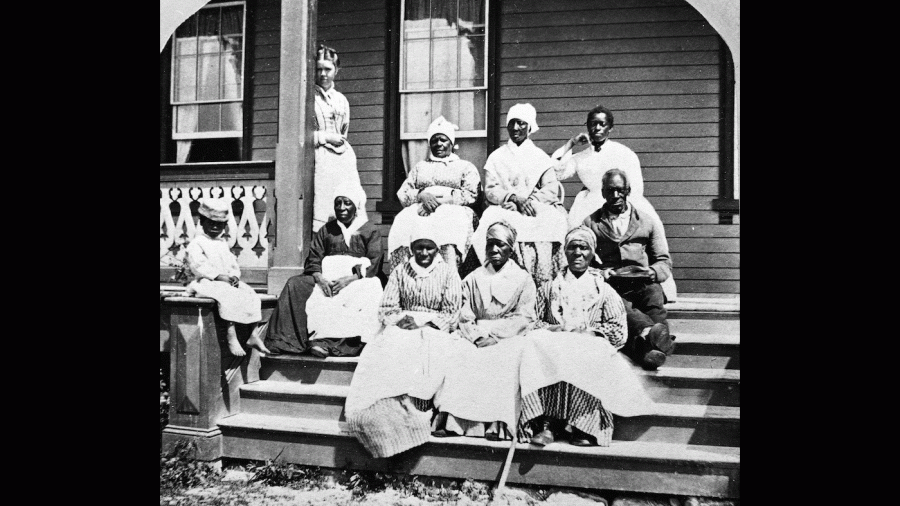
[209, 258]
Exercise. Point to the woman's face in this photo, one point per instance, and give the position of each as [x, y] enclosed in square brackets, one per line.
[518, 131]
[579, 256]
[344, 210]
[497, 253]
[424, 251]
[325, 72]
[212, 228]
[598, 128]
[441, 146]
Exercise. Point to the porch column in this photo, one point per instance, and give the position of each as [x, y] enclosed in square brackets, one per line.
[295, 152]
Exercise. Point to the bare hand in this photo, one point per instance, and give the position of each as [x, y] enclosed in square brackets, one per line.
[524, 206]
[509, 206]
[429, 202]
[481, 342]
[579, 139]
[340, 284]
[407, 323]
[324, 284]
[235, 281]
[334, 139]
[607, 273]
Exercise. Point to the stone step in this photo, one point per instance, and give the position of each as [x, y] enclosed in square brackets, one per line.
[705, 308]
[676, 423]
[638, 466]
[678, 385]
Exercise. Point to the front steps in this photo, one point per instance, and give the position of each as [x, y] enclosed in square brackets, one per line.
[690, 446]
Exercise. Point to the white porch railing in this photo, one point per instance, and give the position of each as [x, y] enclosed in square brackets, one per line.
[246, 234]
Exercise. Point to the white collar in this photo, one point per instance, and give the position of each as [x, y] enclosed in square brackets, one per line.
[424, 272]
[526, 144]
[500, 285]
[452, 157]
[355, 225]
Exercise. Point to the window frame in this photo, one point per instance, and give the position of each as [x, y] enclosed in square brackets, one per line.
[173, 105]
[393, 173]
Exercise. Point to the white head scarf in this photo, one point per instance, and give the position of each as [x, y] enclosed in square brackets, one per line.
[357, 195]
[526, 113]
[423, 229]
[442, 126]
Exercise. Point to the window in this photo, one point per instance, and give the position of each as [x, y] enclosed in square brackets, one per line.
[207, 87]
[443, 72]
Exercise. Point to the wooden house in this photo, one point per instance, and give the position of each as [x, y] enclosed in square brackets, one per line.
[236, 80]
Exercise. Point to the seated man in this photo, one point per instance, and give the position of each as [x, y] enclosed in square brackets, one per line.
[635, 256]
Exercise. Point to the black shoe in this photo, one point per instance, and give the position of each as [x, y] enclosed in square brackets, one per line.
[444, 433]
[660, 339]
[544, 437]
[581, 438]
[653, 359]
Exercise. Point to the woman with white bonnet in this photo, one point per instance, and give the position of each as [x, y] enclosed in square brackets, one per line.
[481, 389]
[217, 275]
[332, 308]
[388, 408]
[572, 376]
[438, 189]
[521, 188]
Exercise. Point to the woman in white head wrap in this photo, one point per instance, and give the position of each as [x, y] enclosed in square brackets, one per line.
[332, 308]
[481, 388]
[572, 376]
[440, 188]
[388, 407]
[521, 188]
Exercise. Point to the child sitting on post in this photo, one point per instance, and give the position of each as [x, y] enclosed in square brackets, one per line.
[217, 276]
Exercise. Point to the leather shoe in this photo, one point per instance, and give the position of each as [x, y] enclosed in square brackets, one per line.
[581, 438]
[653, 359]
[660, 338]
[444, 433]
[544, 437]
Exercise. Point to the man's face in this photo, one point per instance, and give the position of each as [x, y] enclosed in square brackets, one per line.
[212, 228]
[615, 193]
[598, 128]
[518, 131]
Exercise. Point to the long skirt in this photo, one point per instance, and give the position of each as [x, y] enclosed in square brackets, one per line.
[288, 330]
[398, 375]
[239, 305]
[332, 169]
[481, 390]
[579, 378]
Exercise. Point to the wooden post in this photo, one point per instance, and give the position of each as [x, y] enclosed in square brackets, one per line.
[295, 152]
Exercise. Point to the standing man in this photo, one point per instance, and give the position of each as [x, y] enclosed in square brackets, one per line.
[592, 163]
[635, 258]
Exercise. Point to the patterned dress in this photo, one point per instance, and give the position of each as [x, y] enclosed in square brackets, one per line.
[457, 183]
[334, 164]
[576, 374]
[399, 372]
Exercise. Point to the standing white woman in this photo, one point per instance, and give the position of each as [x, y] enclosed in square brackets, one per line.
[335, 159]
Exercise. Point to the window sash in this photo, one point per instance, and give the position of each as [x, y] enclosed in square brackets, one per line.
[173, 85]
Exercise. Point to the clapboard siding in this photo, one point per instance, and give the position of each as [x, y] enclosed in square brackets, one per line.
[357, 30]
[656, 64]
[263, 82]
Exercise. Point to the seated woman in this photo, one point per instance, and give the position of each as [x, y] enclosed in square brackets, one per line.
[439, 189]
[332, 308]
[521, 188]
[389, 405]
[481, 388]
[571, 373]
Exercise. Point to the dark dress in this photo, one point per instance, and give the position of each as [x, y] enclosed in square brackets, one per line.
[287, 331]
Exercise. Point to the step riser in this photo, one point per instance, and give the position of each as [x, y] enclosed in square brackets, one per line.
[529, 467]
[646, 428]
[307, 372]
[690, 391]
